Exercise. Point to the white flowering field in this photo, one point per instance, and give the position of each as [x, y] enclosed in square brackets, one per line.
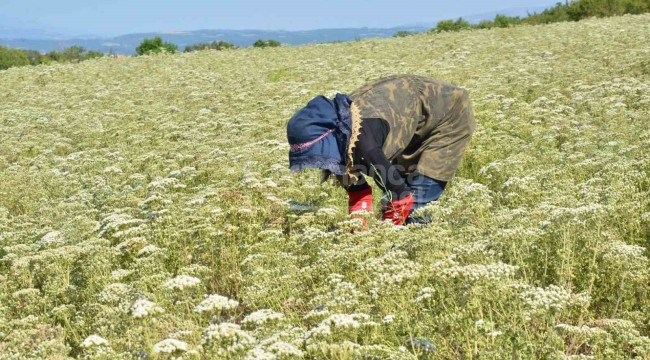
[147, 212]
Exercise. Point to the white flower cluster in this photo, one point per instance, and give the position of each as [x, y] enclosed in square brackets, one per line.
[226, 338]
[120, 274]
[424, 294]
[94, 340]
[480, 248]
[112, 170]
[216, 302]
[476, 272]
[113, 223]
[391, 269]
[627, 257]
[583, 330]
[318, 314]
[117, 294]
[52, 238]
[285, 350]
[338, 293]
[143, 308]
[258, 353]
[170, 346]
[26, 293]
[340, 321]
[149, 249]
[262, 317]
[551, 298]
[163, 184]
[180, 282]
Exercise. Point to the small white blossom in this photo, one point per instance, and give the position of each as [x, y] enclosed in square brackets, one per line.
[143, 308]
[262, 317]
[149, 249]
[52, 238]
[216, 302]
[170, 346]
[285, 350]
[94, 340]
[181, 281]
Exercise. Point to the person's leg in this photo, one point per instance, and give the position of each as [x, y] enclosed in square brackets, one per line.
[424, 190]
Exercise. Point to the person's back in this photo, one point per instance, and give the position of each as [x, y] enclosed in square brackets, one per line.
[430, 122]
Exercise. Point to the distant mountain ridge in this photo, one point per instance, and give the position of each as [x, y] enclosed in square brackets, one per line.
[44, 41]
[126, 44]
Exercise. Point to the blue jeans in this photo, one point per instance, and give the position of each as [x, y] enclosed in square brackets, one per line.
[424, 190]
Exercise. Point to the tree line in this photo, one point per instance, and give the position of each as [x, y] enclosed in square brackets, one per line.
[156, 45]
[17, 57]
[566, 11]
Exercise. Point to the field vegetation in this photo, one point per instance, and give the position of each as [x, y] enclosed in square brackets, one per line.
[147, 212]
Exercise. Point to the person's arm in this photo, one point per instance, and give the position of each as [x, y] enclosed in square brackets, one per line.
[369, 151]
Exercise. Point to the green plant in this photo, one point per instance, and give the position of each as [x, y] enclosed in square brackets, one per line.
[215, 45]
[155, 45]
[12, 57]
[403, 33]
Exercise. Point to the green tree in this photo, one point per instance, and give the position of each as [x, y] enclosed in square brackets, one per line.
[403, 33]
[557, 13]
[155, 45]
[484, 24]
[73, 53]
[451, 25]
[444, 25]
[215, 45]
[461, 24]
[601, 8]
[266, 43]
[504, 21]
[35, 58]
[12, 57]
[93, 55]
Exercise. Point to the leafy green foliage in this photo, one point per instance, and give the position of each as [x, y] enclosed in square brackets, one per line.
[215, 45]
[266, 43]
[557, 13]
[567, 11]
[155, 45]
[601, 8]
[451, 25]
[403, 33]
[71, 54]
[12, 57]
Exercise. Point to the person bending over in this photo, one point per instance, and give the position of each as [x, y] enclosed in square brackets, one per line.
[407, 132]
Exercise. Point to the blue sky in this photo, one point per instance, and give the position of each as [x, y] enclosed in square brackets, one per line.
[116, 17]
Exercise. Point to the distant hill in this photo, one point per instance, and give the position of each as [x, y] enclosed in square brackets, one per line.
[126, 44]
[45, 41]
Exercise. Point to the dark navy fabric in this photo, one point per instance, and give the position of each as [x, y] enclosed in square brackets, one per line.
[424, 190]
[316, 118]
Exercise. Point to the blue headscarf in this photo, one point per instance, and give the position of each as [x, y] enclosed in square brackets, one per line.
[319, 134]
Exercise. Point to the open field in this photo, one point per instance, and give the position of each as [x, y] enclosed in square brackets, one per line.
[144, 206]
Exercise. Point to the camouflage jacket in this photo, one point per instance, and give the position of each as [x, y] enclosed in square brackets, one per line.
[431, 122]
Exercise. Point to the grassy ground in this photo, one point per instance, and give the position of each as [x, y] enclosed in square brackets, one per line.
[144, 206]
